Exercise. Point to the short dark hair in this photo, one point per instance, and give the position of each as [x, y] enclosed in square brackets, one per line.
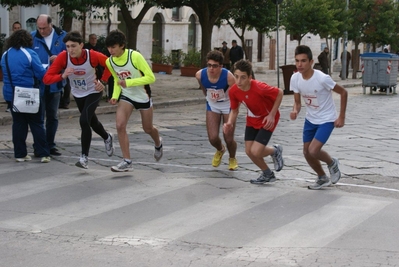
[17, 22]
[73, 36]
[20, 38]
[115, 37]
[216, 56]
[234, 41]
[244, 66]
[304, 49]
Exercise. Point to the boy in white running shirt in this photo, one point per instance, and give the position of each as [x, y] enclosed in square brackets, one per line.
[316, 89]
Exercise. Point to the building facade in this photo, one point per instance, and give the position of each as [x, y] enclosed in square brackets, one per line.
[175, 29]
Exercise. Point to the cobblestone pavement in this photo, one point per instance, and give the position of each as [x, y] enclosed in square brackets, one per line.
[183, 212]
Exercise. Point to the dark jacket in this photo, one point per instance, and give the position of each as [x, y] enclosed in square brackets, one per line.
[236, 53]
[323, 60]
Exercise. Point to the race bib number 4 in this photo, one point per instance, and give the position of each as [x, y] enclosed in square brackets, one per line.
[79, 83]
[215, 95]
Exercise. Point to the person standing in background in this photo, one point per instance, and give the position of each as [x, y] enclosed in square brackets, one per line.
[323, 60]
[47, 43]
[236, 53]
[15, 27]
[226, 54]
[27, 73]
[92, 44]
[348, 60]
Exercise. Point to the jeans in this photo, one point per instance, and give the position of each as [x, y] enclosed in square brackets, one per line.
[65, 98]
[51, 103]
[20, 123]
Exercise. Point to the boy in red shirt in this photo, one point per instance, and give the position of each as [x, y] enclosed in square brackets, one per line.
[262, 102]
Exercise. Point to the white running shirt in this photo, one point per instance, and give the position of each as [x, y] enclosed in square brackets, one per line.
[317, 95]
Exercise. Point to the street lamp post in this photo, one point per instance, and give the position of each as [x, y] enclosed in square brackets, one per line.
[277, 3]
[344, 57]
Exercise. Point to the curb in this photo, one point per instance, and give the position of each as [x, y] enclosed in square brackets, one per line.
[74, 112]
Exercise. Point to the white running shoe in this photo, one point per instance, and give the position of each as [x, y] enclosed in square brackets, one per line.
[124, 166]
[26, 158]
[335, 173]
[320, 182]
[158, 153]
[109, 146]
[83, 162]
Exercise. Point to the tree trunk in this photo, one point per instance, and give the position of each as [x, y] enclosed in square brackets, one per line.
[133, 24]
[355, 60]
[207, 27]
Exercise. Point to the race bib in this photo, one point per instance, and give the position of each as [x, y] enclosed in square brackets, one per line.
[215, 95]
[311, 101]
[79, 84]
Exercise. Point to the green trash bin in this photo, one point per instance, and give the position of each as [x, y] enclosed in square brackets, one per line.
[288, 70]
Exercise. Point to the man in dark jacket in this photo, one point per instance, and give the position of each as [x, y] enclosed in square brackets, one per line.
[236, 53]
[323, 60]
[48, 43]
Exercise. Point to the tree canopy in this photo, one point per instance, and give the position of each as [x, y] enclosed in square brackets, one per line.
[300, 17]
[252, 14]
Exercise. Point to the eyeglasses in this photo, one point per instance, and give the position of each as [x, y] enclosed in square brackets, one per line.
[214, 66]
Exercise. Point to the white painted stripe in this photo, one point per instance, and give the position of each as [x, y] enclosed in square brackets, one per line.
[318, 228]
[199, 215]
[18, 190]
[18, 166]
[96, 204]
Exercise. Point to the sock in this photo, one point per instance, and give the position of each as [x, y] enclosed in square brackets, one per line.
[267, 172]
[128, 160]
[322, 177]
[159, 147]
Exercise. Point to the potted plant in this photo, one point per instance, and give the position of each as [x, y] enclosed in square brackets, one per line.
[161, 62]
[191, 63]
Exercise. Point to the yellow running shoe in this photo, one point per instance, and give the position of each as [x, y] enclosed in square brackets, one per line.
[217, 159]
[233, 165]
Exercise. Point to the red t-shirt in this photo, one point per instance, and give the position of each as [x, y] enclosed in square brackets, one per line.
[259, 100]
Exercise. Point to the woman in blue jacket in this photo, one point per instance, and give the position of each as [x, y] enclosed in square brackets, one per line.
[25, 70]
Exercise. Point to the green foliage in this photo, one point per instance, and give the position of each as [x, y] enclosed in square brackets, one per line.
[192, 58]
[162, 58]
[259, 15]
[300, 17]
[381, 27]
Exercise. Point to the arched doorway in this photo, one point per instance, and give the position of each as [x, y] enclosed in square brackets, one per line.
[157, 35]
[31, 24]
[192, 33]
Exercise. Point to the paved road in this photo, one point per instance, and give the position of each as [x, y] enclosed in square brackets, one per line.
[183, 212]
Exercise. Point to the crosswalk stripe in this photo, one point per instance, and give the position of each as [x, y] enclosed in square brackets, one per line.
[19, 190]
[16, 167]
[95, 205]
[317, 228]
[197, 216]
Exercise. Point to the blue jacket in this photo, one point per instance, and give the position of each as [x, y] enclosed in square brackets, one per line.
[25, 68]
[57, 46]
